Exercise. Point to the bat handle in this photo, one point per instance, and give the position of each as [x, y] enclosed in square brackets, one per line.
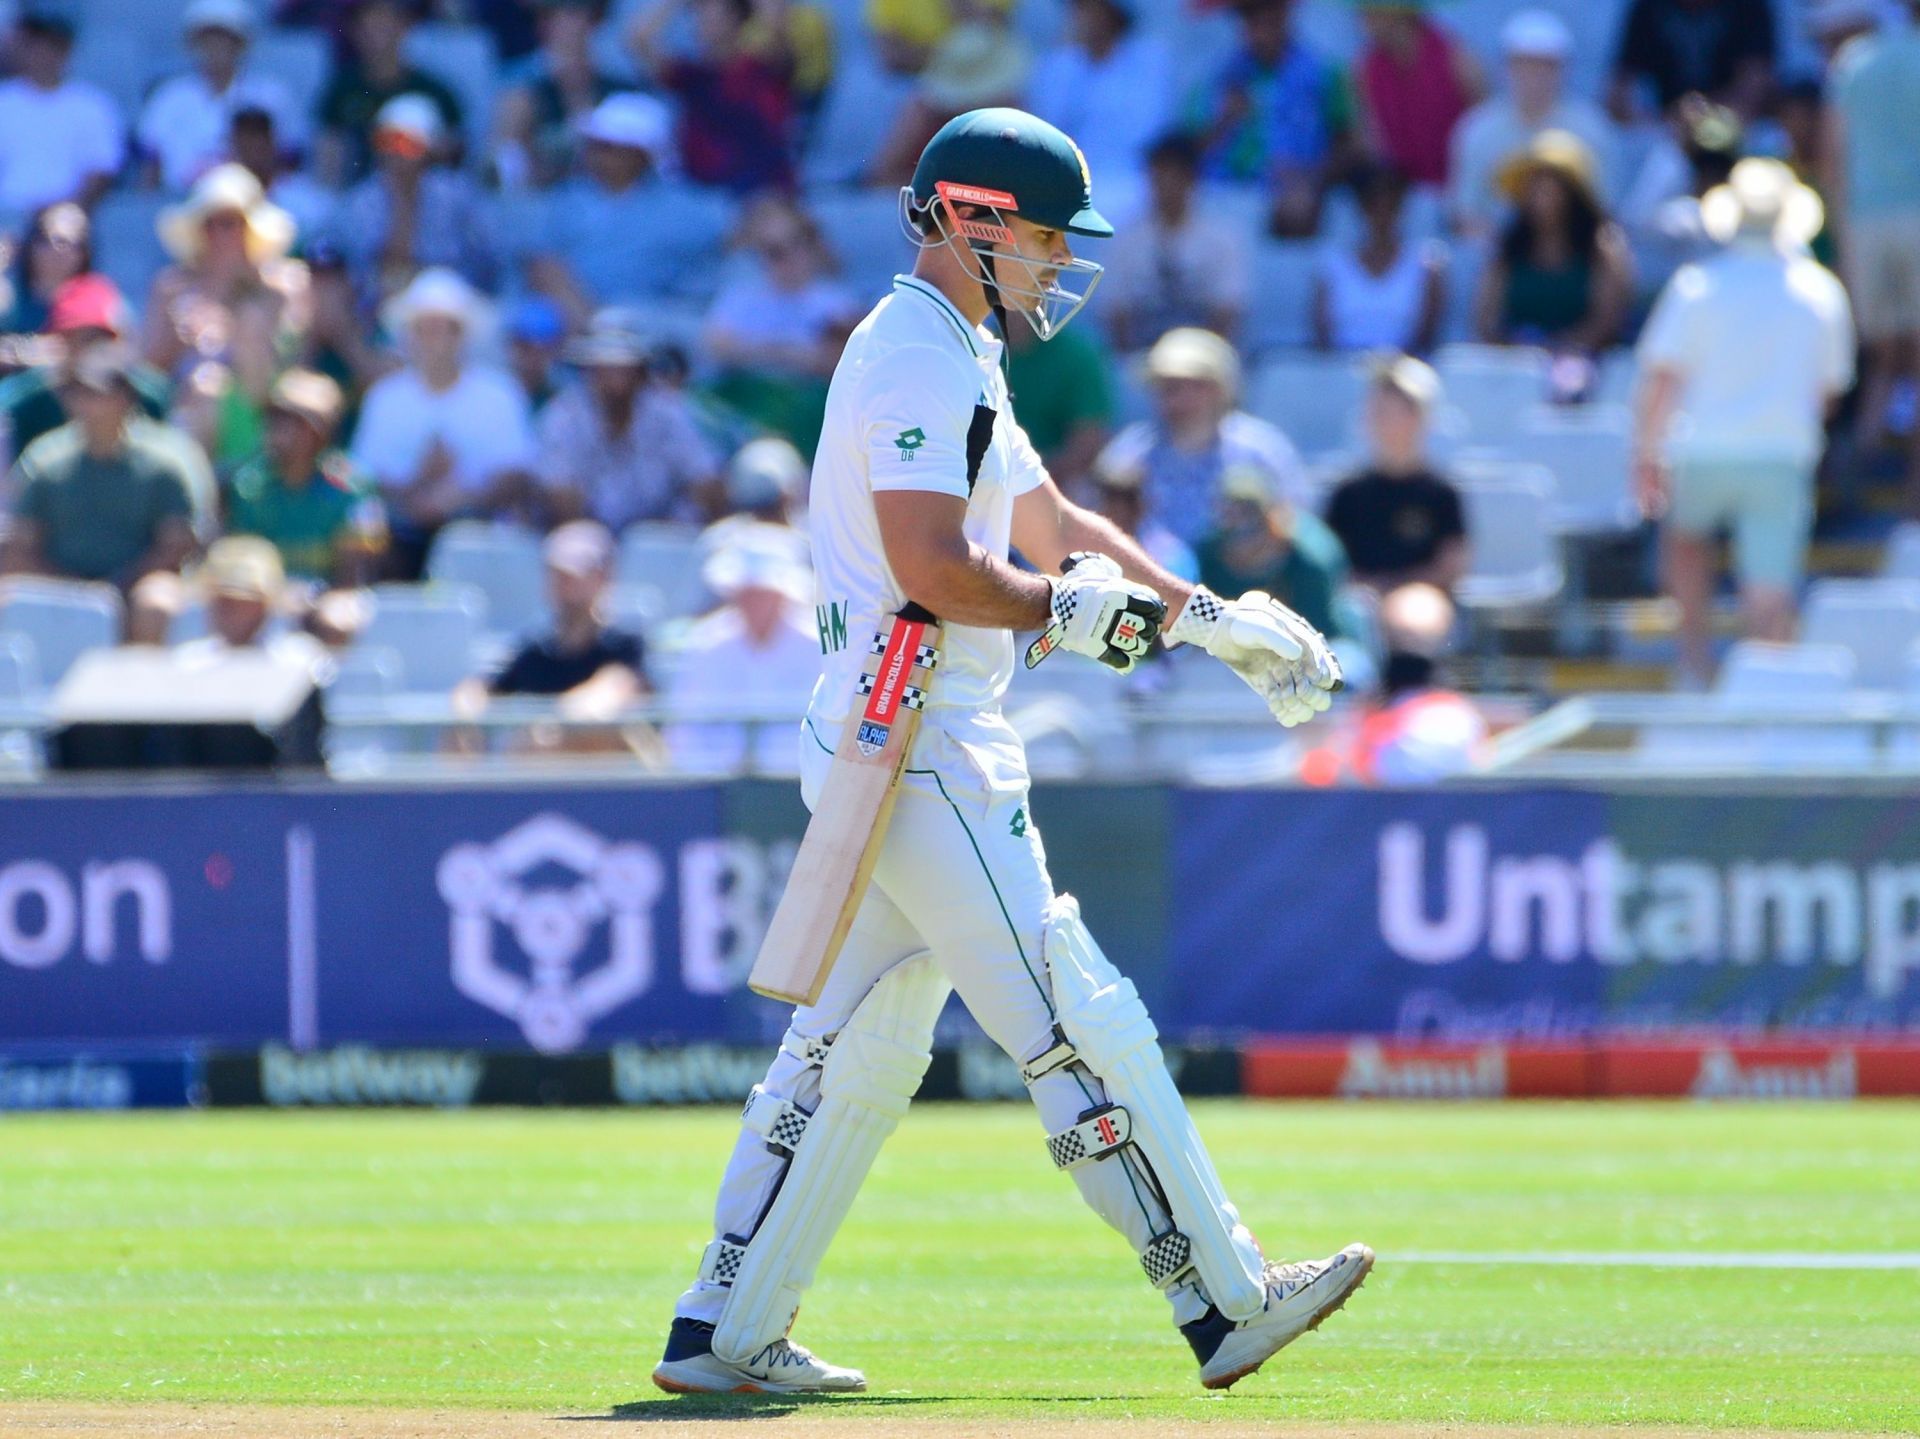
[913, 612]
[1049, 638]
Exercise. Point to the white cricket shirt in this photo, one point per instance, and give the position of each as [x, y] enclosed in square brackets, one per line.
[918, 402]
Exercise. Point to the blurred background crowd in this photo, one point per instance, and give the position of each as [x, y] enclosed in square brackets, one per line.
[478, 348]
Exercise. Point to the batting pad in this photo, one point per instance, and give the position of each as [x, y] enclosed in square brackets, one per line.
[1100, 1012]
[871, 1073]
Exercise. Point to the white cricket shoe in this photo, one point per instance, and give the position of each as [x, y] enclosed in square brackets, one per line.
[691, 1367]
[1299, 1296]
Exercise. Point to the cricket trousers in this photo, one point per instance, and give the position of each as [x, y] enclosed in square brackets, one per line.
[962, 873]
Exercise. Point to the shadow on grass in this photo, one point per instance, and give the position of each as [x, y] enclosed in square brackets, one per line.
[742, 1406]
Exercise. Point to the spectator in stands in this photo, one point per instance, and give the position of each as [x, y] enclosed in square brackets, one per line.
[766, 484]
[184, 128]
[1415, 82]
[592, 669]
[1800, 109]
[736, 98]
[253, 140]
[376, 71]
[445, 436]
[1117, 495]
[1261, 540]
[1111, 83]
[622, 232]
[759, 650]
[1723, 49]
[1279, 116]
[1537, 46]
[1178, 459]
[982, 61]
[1742, 361]
[245, 589]
[775, 330]
[1066, 396]
[616, 446]
[1660, 209]
[336, 341]
[87, 311]
[1182, 264]
[1422, 732]
[1874, 182]
[60, 139]
[905, 32]
[106, 496]
[1387, 292]
[1400, 521]
[536, 126]
[231, 285]
[321, 515]
[536, 332]
[1562, 276]
[55, 247]
[413, 211]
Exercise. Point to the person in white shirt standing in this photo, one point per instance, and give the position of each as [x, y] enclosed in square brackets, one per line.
[186, 125]
[1743, 359]
[1112, 81]
[1537, 45]
[60, 139]
[922, 482]
[445, 436]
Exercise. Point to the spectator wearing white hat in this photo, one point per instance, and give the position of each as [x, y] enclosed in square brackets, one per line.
[616, 446]
[1744, 357]
[413, 212]
[759, 650]
[444, 436]
[1536, 45]
[765, 487]
[60, 138]
[1178, 459]
[185, 127]
[622, 231]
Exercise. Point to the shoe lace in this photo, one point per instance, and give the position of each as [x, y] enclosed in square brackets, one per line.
[1287, 1280]
[784, 1354]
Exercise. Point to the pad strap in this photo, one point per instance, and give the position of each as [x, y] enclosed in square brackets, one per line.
[1100, 1132]
[810, 1052]
[721, 1263]
[1059, 1056]
[779, 1121]
[1169, 1256]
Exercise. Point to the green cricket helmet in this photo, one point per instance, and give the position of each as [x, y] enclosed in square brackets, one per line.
[1006, 162]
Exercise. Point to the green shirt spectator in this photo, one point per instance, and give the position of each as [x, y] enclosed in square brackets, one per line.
[30, 402]
[1064, 390]
[1281, 548]
[98, 516]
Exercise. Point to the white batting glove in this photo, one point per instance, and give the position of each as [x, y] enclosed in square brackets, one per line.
[1100, 613]
[1284, 659]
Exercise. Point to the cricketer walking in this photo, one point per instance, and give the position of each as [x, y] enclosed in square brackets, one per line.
[922, 481]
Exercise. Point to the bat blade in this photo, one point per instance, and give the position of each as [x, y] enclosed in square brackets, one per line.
[837, 854]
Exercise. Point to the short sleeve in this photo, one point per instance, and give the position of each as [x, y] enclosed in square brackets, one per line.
[915, 420]
[1664, 341]
[1450, 519]
[625, 648]
[1027, 471]
[517, 673]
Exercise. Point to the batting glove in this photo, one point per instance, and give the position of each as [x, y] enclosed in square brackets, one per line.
[1284, 659]
[1100, 613]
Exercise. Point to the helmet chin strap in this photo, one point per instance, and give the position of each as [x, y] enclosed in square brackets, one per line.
[990, 283]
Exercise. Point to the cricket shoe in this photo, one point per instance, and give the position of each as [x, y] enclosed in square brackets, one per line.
[691, 1367]
[1299, 1296]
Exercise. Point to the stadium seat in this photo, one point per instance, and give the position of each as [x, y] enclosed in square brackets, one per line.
[125, 61]
[61, 618]
[1902, 560]
[1206, 726]
[19, 669]
[862, 227]
[1782, 677]
[1314, 398]
[298, 59]
[432, 629]
[1515, 554]
[1617, 379]
[1493, 386]
[503, 563]
[667, 557]
[1280, 309]
[461, 57]
[1589, 454]
[1878, 621]
[126, 246]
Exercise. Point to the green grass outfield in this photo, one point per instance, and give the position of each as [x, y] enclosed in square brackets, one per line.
[529, 1261]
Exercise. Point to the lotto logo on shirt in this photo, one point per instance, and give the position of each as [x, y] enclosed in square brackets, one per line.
[909, 441]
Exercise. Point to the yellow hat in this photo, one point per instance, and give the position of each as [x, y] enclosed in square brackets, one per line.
[1558, 152]
[243, 565]
[1190, 353]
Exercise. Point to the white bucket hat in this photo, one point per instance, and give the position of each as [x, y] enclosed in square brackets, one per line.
[270, 229]
[1763, 196]
[440, 291]
[756, 561]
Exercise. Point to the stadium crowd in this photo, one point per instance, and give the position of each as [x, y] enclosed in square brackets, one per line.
[362, 275]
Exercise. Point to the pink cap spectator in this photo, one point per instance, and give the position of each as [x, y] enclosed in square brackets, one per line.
[88, 302]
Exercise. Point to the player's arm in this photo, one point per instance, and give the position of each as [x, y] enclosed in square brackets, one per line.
[944, 571]
[1047, 527]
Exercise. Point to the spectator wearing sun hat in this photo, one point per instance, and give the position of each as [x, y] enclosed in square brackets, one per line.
[60, 138]
[231, 289]
[445, 435]
[618, 447]
[622, 231]
[1536, 46]
[759, 650]
[184, 127]
[413, 211]
[86, 311]
[1743, 359]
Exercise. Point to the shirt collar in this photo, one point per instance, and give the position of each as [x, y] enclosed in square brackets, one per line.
[977, 346]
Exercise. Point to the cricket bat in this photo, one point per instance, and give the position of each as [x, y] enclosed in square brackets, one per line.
[837, 853]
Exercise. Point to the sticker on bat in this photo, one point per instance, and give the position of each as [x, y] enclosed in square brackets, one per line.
[871, 737]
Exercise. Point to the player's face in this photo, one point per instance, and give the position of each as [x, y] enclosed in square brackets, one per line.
[1045, 252]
